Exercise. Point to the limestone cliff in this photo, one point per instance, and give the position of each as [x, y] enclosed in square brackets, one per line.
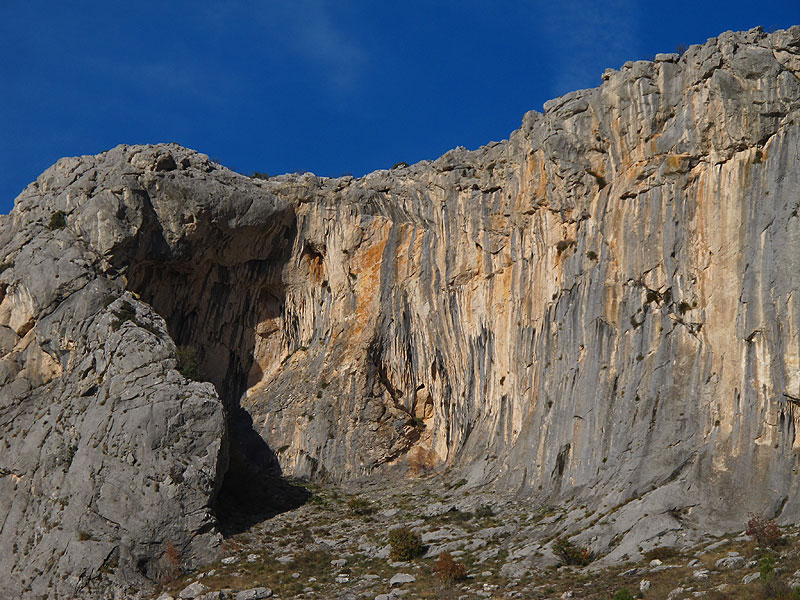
[602, 309]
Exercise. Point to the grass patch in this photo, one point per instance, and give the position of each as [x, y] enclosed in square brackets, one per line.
[126, 312]
[57, 221]
[662, 553]
[186, 357]
[360, 506]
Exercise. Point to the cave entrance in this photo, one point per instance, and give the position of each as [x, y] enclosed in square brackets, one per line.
[213, 303]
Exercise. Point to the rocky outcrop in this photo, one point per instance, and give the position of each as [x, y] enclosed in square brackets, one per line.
[602, 309]
[110, 455]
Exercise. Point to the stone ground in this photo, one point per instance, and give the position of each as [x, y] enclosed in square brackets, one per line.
[336, 546]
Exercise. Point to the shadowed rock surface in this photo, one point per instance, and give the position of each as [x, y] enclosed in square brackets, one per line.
[601, 310]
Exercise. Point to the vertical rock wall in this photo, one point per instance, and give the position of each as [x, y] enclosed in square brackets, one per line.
[604, 306]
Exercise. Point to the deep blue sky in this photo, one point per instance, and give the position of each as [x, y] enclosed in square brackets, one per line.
[330, 87]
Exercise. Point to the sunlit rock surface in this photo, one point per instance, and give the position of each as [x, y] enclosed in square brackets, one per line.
[602, 309]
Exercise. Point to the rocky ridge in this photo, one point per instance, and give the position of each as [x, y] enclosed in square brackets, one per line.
[599, 311]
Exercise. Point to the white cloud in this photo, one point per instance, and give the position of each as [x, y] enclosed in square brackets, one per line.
[307, 30]
[302, 32]
[320, 40]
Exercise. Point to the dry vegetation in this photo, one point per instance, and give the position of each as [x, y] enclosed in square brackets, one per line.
[296, 554]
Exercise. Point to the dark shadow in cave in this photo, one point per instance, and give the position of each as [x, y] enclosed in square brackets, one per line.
[212, 300]
[254, 489]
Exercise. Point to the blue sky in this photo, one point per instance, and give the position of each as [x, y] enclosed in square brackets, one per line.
[309, 85]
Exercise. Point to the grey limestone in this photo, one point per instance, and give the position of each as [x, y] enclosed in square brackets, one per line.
[601, 310]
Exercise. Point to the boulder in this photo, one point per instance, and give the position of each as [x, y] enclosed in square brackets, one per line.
[401, 579]
[192, 591]
[254, 594]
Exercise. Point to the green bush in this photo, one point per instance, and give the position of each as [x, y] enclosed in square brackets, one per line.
[187, 362]
[771, 584]
[766, 568]
[623, 594]
[405, 544]
[484, 512]
[456, 516]
[572, 554]
[57, 221]
[126, 312]
[359, 506]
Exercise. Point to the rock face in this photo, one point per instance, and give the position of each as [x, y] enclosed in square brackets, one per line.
[602, 309]
[109, 455]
